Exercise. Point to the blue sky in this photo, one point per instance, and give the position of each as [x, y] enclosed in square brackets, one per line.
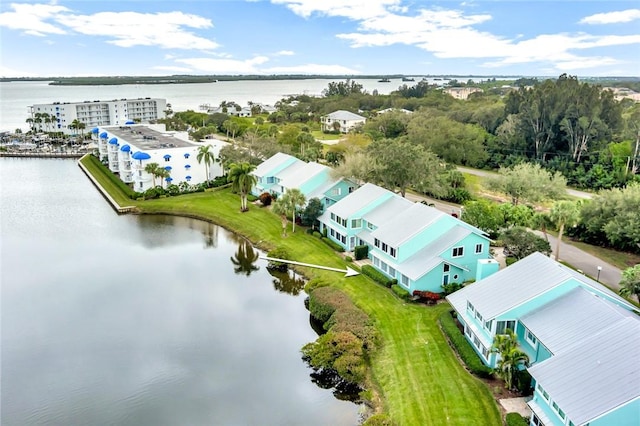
[360, 37]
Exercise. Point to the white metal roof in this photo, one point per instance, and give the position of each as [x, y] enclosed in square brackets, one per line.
[300, 176]
[357, 200]
[273, 162]
[387, 210]
[568, 320]
[406, 224]
[344, 115]
[598, 375]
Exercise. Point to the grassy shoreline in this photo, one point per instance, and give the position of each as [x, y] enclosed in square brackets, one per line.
[417, 379]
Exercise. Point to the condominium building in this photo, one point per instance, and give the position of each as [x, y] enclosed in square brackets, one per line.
[60, 116]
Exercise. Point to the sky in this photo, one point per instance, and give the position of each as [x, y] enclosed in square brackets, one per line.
[329, 37]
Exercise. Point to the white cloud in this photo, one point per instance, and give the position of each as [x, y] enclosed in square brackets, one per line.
[172, 69]
[31, 19]
[612, 17]
[125, 29]
[286, 53]
[128, 29]
[311, 69]
[225, 66]
[352, 9]
[11, 72]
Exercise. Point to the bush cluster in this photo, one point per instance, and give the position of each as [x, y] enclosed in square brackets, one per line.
[401, 292]
[378, 420]
[515, 419]
[265, 199]
[428, 296]
[378, 276]
[350, 335]
[449, 288]
[361, 252]
[462, 346]
[278, 253]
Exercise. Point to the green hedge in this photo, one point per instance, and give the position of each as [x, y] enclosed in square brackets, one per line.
[113, 178]
[361, 252]
[401, 292]
[377, 276]
[515, 419]
[337, 247]
[462, 346]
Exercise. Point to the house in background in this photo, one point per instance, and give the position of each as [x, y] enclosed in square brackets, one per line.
[345, 119]
[282, 172]
[578, 335]
[461, 92]
[419, 246]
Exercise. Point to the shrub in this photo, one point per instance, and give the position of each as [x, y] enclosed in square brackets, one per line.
[316, 234]
[462, 346]
[515, 419]
[340, 351]
[265, 199]
[376, 275]
[314, 283]
[378, 420]
[401, 292]
[348, 258]
[449, 288]
[251, 198]
[337, 247]
[510, 260]
[278, 253]
[429, 296]
[361, 252]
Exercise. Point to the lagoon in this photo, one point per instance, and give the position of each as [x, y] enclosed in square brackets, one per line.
[136, 320]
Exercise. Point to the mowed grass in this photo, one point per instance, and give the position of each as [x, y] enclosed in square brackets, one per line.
[320, 135]
[420, 379]
[107, 180]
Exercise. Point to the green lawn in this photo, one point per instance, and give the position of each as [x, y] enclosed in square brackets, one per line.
[417, 373]
[108, 181]
[318, 134]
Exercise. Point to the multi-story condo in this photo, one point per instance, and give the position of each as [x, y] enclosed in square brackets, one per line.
[60, 116]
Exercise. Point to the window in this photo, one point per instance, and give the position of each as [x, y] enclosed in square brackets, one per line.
[488, 324]
[392, 252]
[383, 266]
[336, 191]
[467, 331]
[478, 248]
[376, 242]
[392, 272]
[529, 337]
[376, 262]
[446, 267]
[470, 307]
[458, 251]
[485, 352]
[503, 325]
[404, 280]
[478, 316]
[536, 421]
[332, 232]
[356, 223]
[385, 247]
[370, 226]
[558, 410]
[333, 216]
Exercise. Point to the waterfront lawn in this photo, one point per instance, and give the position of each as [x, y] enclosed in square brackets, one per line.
[421, 380]
[108, 181]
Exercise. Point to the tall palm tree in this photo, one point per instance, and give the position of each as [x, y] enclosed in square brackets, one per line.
[151, 169]
[564, 214]
[242, 181]
[207, 157]
[280, 208]
[293, 200]
[30, 123]
[511, 358]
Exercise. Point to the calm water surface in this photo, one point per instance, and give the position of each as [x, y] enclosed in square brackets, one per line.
[135, 320]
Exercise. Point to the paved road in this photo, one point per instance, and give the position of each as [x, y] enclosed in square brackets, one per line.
[587, 263]
[485, 173]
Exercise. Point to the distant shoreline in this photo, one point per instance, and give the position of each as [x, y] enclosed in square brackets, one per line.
[186, 79]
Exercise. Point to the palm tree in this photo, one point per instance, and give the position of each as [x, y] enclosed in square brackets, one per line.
[245, 258]
[242, 181]
[511, 358]
[564, 213]
[206, 156]
[292, 200]
[280, 208]
[30, 123]
[162, 173]
[151, 169]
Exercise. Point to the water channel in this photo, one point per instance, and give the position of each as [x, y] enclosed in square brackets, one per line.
[142, 320]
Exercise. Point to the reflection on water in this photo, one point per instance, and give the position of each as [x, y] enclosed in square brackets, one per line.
[287, 282]
[245, 258]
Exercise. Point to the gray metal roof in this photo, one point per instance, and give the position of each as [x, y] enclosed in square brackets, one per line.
[290, 170]
[511, 286]
[272, 162]
[301, 175]
[580, 314]
[344, 115]
[357, 200]
[146, 138]
[596, 376]
[387, 210]
[429, 257]
[406, 224]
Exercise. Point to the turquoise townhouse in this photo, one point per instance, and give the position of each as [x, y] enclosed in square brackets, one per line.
[582, 339]
[282, 172]
[419, 246]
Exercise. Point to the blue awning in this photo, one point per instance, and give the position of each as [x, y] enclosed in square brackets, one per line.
[104, 135]
[168, 168]
[187, 166]
[113, 141]
[188, 178]
[140, 156]
[125, 148]
[95, 130]
[167, 156]
[130, 122]
[186, 155]
[169, 179]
